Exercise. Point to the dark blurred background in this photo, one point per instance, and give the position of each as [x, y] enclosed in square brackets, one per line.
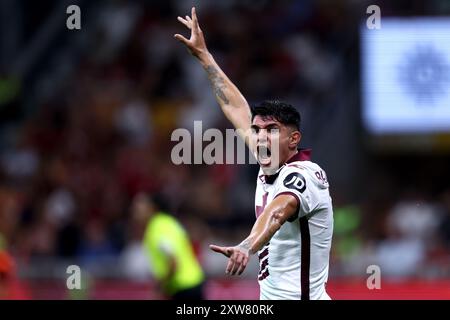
[86, 118]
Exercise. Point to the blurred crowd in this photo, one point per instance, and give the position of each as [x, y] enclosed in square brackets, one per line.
[98, 123]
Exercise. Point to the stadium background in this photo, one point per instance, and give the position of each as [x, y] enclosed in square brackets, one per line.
[86, 118]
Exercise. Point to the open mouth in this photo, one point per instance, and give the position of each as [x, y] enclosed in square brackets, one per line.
[264, 154]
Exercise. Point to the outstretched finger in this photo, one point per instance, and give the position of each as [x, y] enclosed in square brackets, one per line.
[182, 39]
[230, 266]
[222, 250]
[237, 264]
[242, 266]
[188, 19]
[194, 19]
[185, 22]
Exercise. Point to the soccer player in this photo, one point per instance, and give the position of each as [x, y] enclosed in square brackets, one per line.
[172, 257]
[294, 216]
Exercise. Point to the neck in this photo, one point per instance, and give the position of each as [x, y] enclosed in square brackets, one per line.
[289, 156]
[271, 171]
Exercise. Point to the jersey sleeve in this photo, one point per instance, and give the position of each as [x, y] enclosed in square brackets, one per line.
[296, 182]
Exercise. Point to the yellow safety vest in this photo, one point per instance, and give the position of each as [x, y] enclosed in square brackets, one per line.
[163, 233]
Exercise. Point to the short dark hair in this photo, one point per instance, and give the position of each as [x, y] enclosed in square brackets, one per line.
[282, 112]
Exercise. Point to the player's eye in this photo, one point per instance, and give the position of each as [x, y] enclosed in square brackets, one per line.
[274, 131]
[255, 130]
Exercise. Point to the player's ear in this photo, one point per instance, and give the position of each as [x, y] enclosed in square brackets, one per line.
[294, 139]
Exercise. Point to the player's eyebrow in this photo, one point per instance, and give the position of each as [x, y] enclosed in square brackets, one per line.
[270, 126]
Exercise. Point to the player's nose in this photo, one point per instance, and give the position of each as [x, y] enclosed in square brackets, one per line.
[262, 136]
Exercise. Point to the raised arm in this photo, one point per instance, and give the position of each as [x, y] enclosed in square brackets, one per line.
[230, 99]
[270, 221]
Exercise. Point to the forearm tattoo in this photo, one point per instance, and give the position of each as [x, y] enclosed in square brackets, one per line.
[218, 83]
[246, 244]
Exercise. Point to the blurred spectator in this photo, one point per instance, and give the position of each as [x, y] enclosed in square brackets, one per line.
[10, 287]
[95, 244]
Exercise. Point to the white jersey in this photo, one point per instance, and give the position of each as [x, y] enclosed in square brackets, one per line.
[294, 264]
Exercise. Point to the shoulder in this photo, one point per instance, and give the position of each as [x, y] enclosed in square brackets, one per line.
[302, 173]
[292, 176]
[303, 166]
[164, 222]
[300, 167]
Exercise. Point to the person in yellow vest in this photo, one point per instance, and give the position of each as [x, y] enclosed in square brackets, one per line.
[173, 261]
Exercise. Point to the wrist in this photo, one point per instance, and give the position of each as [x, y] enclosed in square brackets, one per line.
[246, 246]
[205, 58]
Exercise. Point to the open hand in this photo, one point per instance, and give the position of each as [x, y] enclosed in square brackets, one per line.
[238, 258]
[196, 43]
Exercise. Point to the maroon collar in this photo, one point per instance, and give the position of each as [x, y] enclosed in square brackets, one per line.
[301, 155]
